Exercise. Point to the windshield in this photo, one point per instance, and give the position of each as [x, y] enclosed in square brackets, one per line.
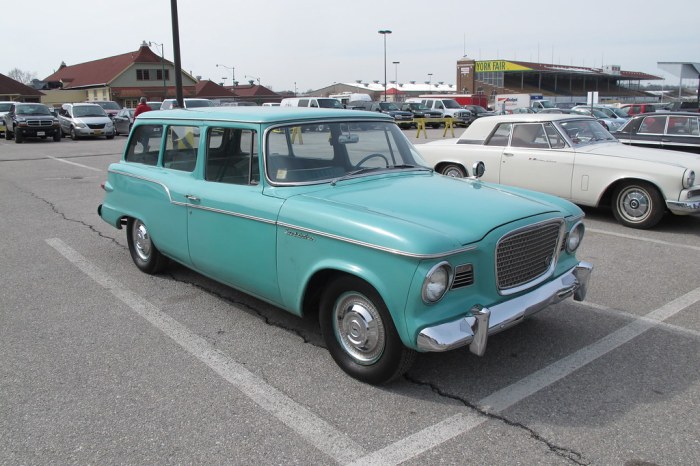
[38, 109]
[198, 103]
[329, 103]
[585, 131]
[109, 105]
[547, 104]
[88, 111]
[450, 103]
[620, 112]
[388, 106]
[322, 153]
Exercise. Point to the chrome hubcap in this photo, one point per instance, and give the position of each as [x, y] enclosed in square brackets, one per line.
[635, 204]
[358, 328]
[142, 240]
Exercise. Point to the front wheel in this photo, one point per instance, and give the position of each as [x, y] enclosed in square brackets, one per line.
[73, 134]
[360, 334]
[144, 253]
[19, 137]
[453, 170]
[637, 205]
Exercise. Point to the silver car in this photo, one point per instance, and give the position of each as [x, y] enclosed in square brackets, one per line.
[83, 120]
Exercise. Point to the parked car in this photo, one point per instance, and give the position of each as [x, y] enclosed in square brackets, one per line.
[4, 108]
[154, 104]
[421, 111]
[348, 226]
[403, 118]
[30, 120]
[84, 120]
[574, 157]
[634, 109]
[449, 108]
[477, 111]
[676, 131]
[123, 121]
[169, 104]
[556, 111]
[610, 123]
[110, 107]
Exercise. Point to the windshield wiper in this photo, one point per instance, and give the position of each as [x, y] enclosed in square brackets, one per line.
[405, 166]
[355, 172]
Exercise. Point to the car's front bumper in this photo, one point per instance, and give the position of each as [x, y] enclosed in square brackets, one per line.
[94, 132]
[474, 328]
[684, 207]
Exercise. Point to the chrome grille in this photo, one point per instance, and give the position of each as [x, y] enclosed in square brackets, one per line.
[39, 123]
[525, 255]
[464, 276]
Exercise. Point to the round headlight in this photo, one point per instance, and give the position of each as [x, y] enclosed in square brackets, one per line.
[436, 283]
[688, 178]
[574, 238]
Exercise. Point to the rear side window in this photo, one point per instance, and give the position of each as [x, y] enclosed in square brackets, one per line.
[181, 146]
[653, 125]
[500, 136]
[232, 156]
[683, 126]
[144, 144]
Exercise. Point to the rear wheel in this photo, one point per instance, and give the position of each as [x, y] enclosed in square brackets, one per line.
[145, 254]
[360, 334]
[637, 204]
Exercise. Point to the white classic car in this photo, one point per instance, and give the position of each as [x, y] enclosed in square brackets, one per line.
[574, 157]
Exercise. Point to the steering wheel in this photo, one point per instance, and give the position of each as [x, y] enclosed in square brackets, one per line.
[371, 156]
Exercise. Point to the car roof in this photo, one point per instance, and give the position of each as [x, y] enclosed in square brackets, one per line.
[261, 114]
[482, 127]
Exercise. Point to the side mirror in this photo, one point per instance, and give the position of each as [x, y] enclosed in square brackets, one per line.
[478, 170]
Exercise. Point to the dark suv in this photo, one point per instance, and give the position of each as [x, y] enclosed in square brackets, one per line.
[403, 118]
[31, 120]
[421, 111]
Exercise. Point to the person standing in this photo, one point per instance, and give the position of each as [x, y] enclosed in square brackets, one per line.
[142, 107]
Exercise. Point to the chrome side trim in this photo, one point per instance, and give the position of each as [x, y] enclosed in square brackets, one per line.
[466, 330]
[298, 228]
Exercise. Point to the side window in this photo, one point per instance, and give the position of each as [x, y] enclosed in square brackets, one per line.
[529, 136]
[693, 126]
[679, 125]
[303, 102]
[556, 141]
[144, 144]
[500, 136]
[232, 156]
[314, 103]
[181, 145]
[653, 125]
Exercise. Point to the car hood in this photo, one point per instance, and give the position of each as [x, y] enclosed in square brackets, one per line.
[617, 149]
[416, 213]
[94, 120]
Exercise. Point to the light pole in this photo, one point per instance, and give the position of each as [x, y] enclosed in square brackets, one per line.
[384, 32]
[233, 73]
[430, 78]
[162, 64]
[396, 72]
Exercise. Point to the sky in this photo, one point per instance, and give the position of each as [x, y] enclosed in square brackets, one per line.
[309, 44]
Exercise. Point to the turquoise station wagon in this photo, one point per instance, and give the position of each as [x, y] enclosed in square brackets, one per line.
[333, 213]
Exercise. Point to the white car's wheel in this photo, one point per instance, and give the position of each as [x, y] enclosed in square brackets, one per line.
[637, 204]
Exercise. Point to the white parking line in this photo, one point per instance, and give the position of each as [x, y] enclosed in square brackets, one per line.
[313, 429]
[639, 238]
[76, 164]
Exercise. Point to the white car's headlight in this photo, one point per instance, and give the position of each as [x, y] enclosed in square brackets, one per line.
[80, 124]
[574, 238]
[688, 178]
[436, 283]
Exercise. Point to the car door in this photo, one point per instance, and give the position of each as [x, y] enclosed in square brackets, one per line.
[682, 133]
[232, 225]
[538, 158]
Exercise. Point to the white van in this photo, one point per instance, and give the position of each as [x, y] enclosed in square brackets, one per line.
[311, 102]
[347, 97]
[449, 108]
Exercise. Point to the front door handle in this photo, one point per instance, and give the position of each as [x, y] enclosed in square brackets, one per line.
[192, 197]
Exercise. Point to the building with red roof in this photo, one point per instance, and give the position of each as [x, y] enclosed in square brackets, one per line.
[123, 78]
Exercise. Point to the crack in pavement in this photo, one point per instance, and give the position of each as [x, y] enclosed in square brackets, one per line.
[565, 453]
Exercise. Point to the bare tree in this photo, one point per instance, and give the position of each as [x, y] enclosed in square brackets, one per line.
[25, 77]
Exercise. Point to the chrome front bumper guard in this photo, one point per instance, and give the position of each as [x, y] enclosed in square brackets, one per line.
[684, 207]
[474, 329]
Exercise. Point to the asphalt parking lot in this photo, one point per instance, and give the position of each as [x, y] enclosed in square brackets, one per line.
[103, 364]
